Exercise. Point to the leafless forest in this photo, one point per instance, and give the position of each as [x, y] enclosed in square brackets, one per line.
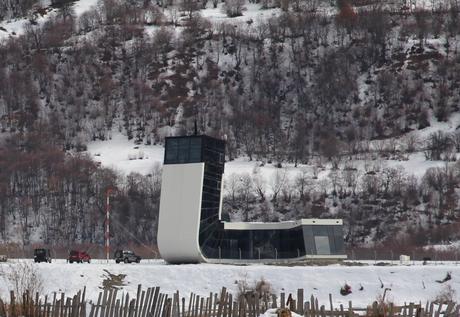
[356, 81]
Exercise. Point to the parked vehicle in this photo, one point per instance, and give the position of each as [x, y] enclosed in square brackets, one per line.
[78, 256]
[126, 256]
[42, 255]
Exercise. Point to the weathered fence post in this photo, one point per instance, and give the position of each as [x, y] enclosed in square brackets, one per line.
[307, 310]
[12, 304]
[153, 303]
[221, 301]
[2, 308]
[411, 309]
[103, 303]
[137, 300]
[300, 301]
[126, 308]
[312, 305]
[140, 304]
[131, 308]
[274, 303]
[330, 302]
[230, 305]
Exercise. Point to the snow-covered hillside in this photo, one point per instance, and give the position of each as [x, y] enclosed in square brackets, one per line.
[126, 156]
[14, 27]
[39, 15]
[407, 283]
[330, 108]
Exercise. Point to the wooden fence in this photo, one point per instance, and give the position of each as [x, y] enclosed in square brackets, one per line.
[153, 303]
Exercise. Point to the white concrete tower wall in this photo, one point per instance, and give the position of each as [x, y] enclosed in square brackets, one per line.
[180, 211]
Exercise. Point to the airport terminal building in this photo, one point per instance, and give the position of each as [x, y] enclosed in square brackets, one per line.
[191, 229]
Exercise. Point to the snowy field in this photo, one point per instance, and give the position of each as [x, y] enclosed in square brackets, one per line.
[407, 283]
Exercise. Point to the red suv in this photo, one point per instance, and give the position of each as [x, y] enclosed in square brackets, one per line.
[78, 256]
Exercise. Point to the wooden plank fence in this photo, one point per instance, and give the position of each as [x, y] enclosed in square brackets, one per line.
[153, 303]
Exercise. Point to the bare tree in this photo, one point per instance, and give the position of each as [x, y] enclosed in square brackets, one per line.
[277, 182]
[438, 143]
[259, 183]
[35, 34]
[351, 177]
[411, 142]
[162, 43]
[346, 16]
[231, 187]
[336, 177]
[302, 183]
[189, 6]
[455, 137]
[421, 19]
[89, 21]
[371, 184]
[330, 148]
[441, 180]
[245, 192]
[234, 8]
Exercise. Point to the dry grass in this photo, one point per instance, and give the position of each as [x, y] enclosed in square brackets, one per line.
[446, 295]
[247, 290]
[23, 278]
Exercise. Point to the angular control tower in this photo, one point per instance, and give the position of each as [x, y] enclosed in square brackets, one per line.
[191, 230]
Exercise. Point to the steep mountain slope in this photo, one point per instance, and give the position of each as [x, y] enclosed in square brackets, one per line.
[320, 102]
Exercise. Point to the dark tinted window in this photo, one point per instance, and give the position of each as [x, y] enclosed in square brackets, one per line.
[338, 239]
[195, 149]
[172, 147]
[183, 150]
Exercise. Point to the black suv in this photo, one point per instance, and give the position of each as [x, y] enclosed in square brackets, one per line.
[42, 255]
[126, 256]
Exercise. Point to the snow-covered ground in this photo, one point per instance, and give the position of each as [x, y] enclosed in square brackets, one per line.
[125, 156]
[450, 246]
[16, 27]
[407, 283]
[81, 6]
[252, 13]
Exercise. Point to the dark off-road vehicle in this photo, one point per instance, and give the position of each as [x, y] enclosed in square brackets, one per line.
[126, 256]
[42, 255]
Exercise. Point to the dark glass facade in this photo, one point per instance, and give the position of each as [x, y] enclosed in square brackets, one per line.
[245, 244]
[263, 244]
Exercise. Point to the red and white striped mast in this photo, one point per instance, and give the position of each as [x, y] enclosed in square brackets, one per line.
[107, 224]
